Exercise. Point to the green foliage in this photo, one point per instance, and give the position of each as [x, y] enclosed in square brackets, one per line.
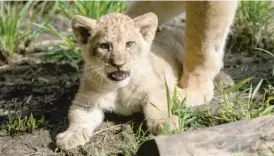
[65, 51]
[257, 14]
[253, 27]
[248, 109]
[16, 25]
[93, 9]
[12, 18]
[244, 107]
[236, 86]
[134, 141]
[17, 123]
[188, 117]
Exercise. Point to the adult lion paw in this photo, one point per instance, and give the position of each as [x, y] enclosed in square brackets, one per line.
[72, 138]
[200, 91]
[197, 95]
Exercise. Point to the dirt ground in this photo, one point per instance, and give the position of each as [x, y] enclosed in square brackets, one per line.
[47, 89]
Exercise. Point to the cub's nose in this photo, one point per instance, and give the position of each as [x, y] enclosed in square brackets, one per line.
[118, 63]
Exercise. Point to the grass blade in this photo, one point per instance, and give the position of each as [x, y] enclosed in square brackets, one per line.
[238, 85]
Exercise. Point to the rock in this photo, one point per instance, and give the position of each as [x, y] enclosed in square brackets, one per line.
[248, 137]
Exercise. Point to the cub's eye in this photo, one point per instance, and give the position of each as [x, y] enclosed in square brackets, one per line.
[105, 46]
[130, 44]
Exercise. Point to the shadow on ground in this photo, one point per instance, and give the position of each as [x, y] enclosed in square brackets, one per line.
[47, 89]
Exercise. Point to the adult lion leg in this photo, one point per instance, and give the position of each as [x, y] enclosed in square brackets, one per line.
[165, 10]
[207, 26]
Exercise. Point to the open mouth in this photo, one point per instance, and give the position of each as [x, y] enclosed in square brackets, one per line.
[118, 75]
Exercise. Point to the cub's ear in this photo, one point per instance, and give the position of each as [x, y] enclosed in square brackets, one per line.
[82, 28]
[147, 25]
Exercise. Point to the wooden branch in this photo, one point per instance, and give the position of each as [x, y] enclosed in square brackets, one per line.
[243, 138]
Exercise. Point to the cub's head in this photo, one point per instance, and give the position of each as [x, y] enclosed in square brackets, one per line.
[113, 46]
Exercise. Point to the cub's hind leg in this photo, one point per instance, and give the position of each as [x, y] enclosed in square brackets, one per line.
[156, 113]
[224, 80]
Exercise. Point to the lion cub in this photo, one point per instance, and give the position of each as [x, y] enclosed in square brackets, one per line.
[121, 74]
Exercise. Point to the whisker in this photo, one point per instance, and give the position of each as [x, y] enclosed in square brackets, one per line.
[93, 71]
[98, 75]
[91, 74]
[101, 78]
[95, 66]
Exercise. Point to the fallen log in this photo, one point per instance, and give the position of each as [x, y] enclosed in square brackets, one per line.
[243, 138]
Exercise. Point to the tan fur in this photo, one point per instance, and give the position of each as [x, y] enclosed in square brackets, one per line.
[207, 26]
[144, 90]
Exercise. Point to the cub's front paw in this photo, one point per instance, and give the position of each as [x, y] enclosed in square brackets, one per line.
[72, 138]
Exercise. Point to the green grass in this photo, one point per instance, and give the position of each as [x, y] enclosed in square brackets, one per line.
[12, 19]
[253, 27]
[65, 51]
[16, 25]
[19, 124]
[244, 106]
[92, 9]
[235, 105]
[134, 141]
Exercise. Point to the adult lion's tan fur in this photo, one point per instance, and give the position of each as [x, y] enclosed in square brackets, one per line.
[207, 26]
[124, 73]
